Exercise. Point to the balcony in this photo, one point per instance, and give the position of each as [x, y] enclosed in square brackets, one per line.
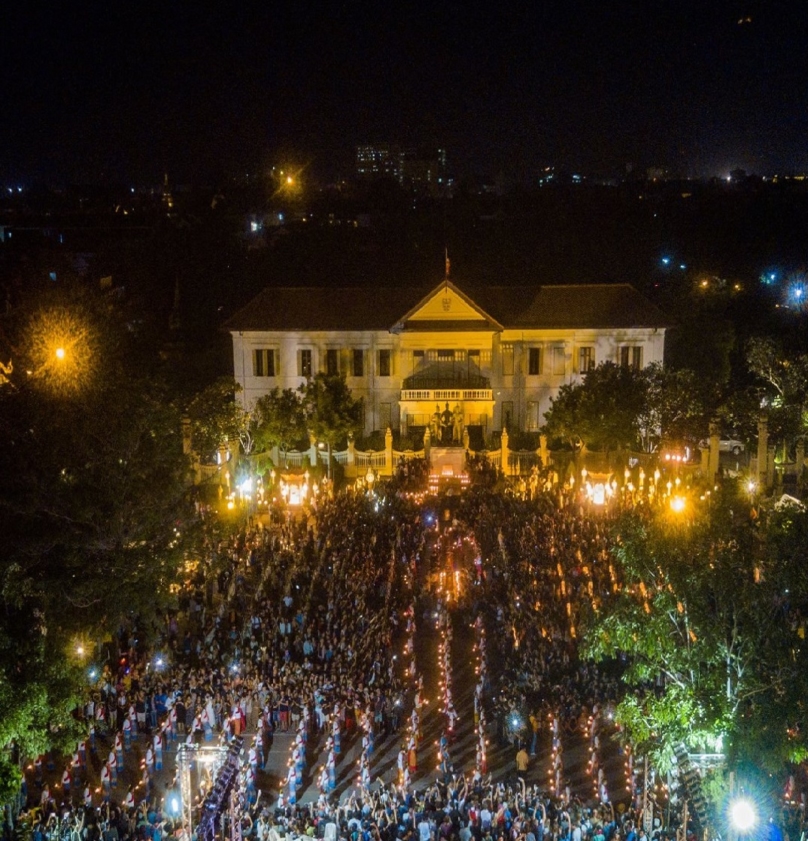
[447, 381]
[437, 394]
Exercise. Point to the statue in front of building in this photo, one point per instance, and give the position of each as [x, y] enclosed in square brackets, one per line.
[457, 425]
[446, 424]
[434, 425]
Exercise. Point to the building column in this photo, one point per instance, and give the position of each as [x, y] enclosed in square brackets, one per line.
[313, 458]
[427, 444]
[506, 451]
[388, 452]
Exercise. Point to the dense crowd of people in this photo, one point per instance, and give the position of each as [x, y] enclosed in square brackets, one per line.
[308, 627]
[277, 626]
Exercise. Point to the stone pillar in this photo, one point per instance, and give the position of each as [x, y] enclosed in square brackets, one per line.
[506, 451]
[763, 450]
[388, 452]
[427, 444]
[800, 466]
[715, 438]
[351, 459]
[313, 457]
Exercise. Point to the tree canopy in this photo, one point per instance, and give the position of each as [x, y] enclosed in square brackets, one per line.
[603, 410]
[783, 374]
[216, 417]
[92, 499]
[710, 619]
[331, 412]
[278, 420]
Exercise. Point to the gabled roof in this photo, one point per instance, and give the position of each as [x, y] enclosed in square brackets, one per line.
[385, 308]
[472, 317]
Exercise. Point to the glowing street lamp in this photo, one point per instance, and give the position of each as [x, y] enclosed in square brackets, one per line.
[677, 504]
[60, 353]
[742, 814]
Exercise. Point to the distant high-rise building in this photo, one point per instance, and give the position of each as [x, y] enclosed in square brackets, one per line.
[421, 169]
[377, 161]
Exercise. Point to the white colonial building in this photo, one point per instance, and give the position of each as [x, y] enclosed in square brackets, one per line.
[497, 355]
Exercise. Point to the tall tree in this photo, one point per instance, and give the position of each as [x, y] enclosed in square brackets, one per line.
[784, 375]
[92, 497]
[603, 410]
[332, 413]
[278, 420]
[711, 623]
[675, 406]
[217, 417]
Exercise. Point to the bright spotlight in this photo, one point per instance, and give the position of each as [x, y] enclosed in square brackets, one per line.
[60, 353]
[742, 815]
[677, 504]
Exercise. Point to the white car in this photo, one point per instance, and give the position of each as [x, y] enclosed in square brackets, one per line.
[725, 445]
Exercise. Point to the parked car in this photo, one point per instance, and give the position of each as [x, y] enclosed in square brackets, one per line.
[725, 445]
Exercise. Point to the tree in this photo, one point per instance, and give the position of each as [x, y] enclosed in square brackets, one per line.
[710, 621]
[331, 413]
[278, 420]
[93, 500]
[675, 406]
[603, 410]
[217, 417]
[784, 374]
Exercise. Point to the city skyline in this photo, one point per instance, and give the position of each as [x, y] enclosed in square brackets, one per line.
[103, 93]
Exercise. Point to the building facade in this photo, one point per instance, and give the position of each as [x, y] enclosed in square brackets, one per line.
[494, 357]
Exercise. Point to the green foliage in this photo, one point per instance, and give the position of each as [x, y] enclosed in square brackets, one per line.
[710, 619]
[217, 417]
[784, 377]
[786, 373]
[332, 414]
[603, 410]
[619, 408]
[675, 406]
[92, 503]
[278, 420]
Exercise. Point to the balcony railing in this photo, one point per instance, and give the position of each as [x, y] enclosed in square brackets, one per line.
[447, 394]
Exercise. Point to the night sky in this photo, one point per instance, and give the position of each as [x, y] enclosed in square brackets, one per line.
[110, 92]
